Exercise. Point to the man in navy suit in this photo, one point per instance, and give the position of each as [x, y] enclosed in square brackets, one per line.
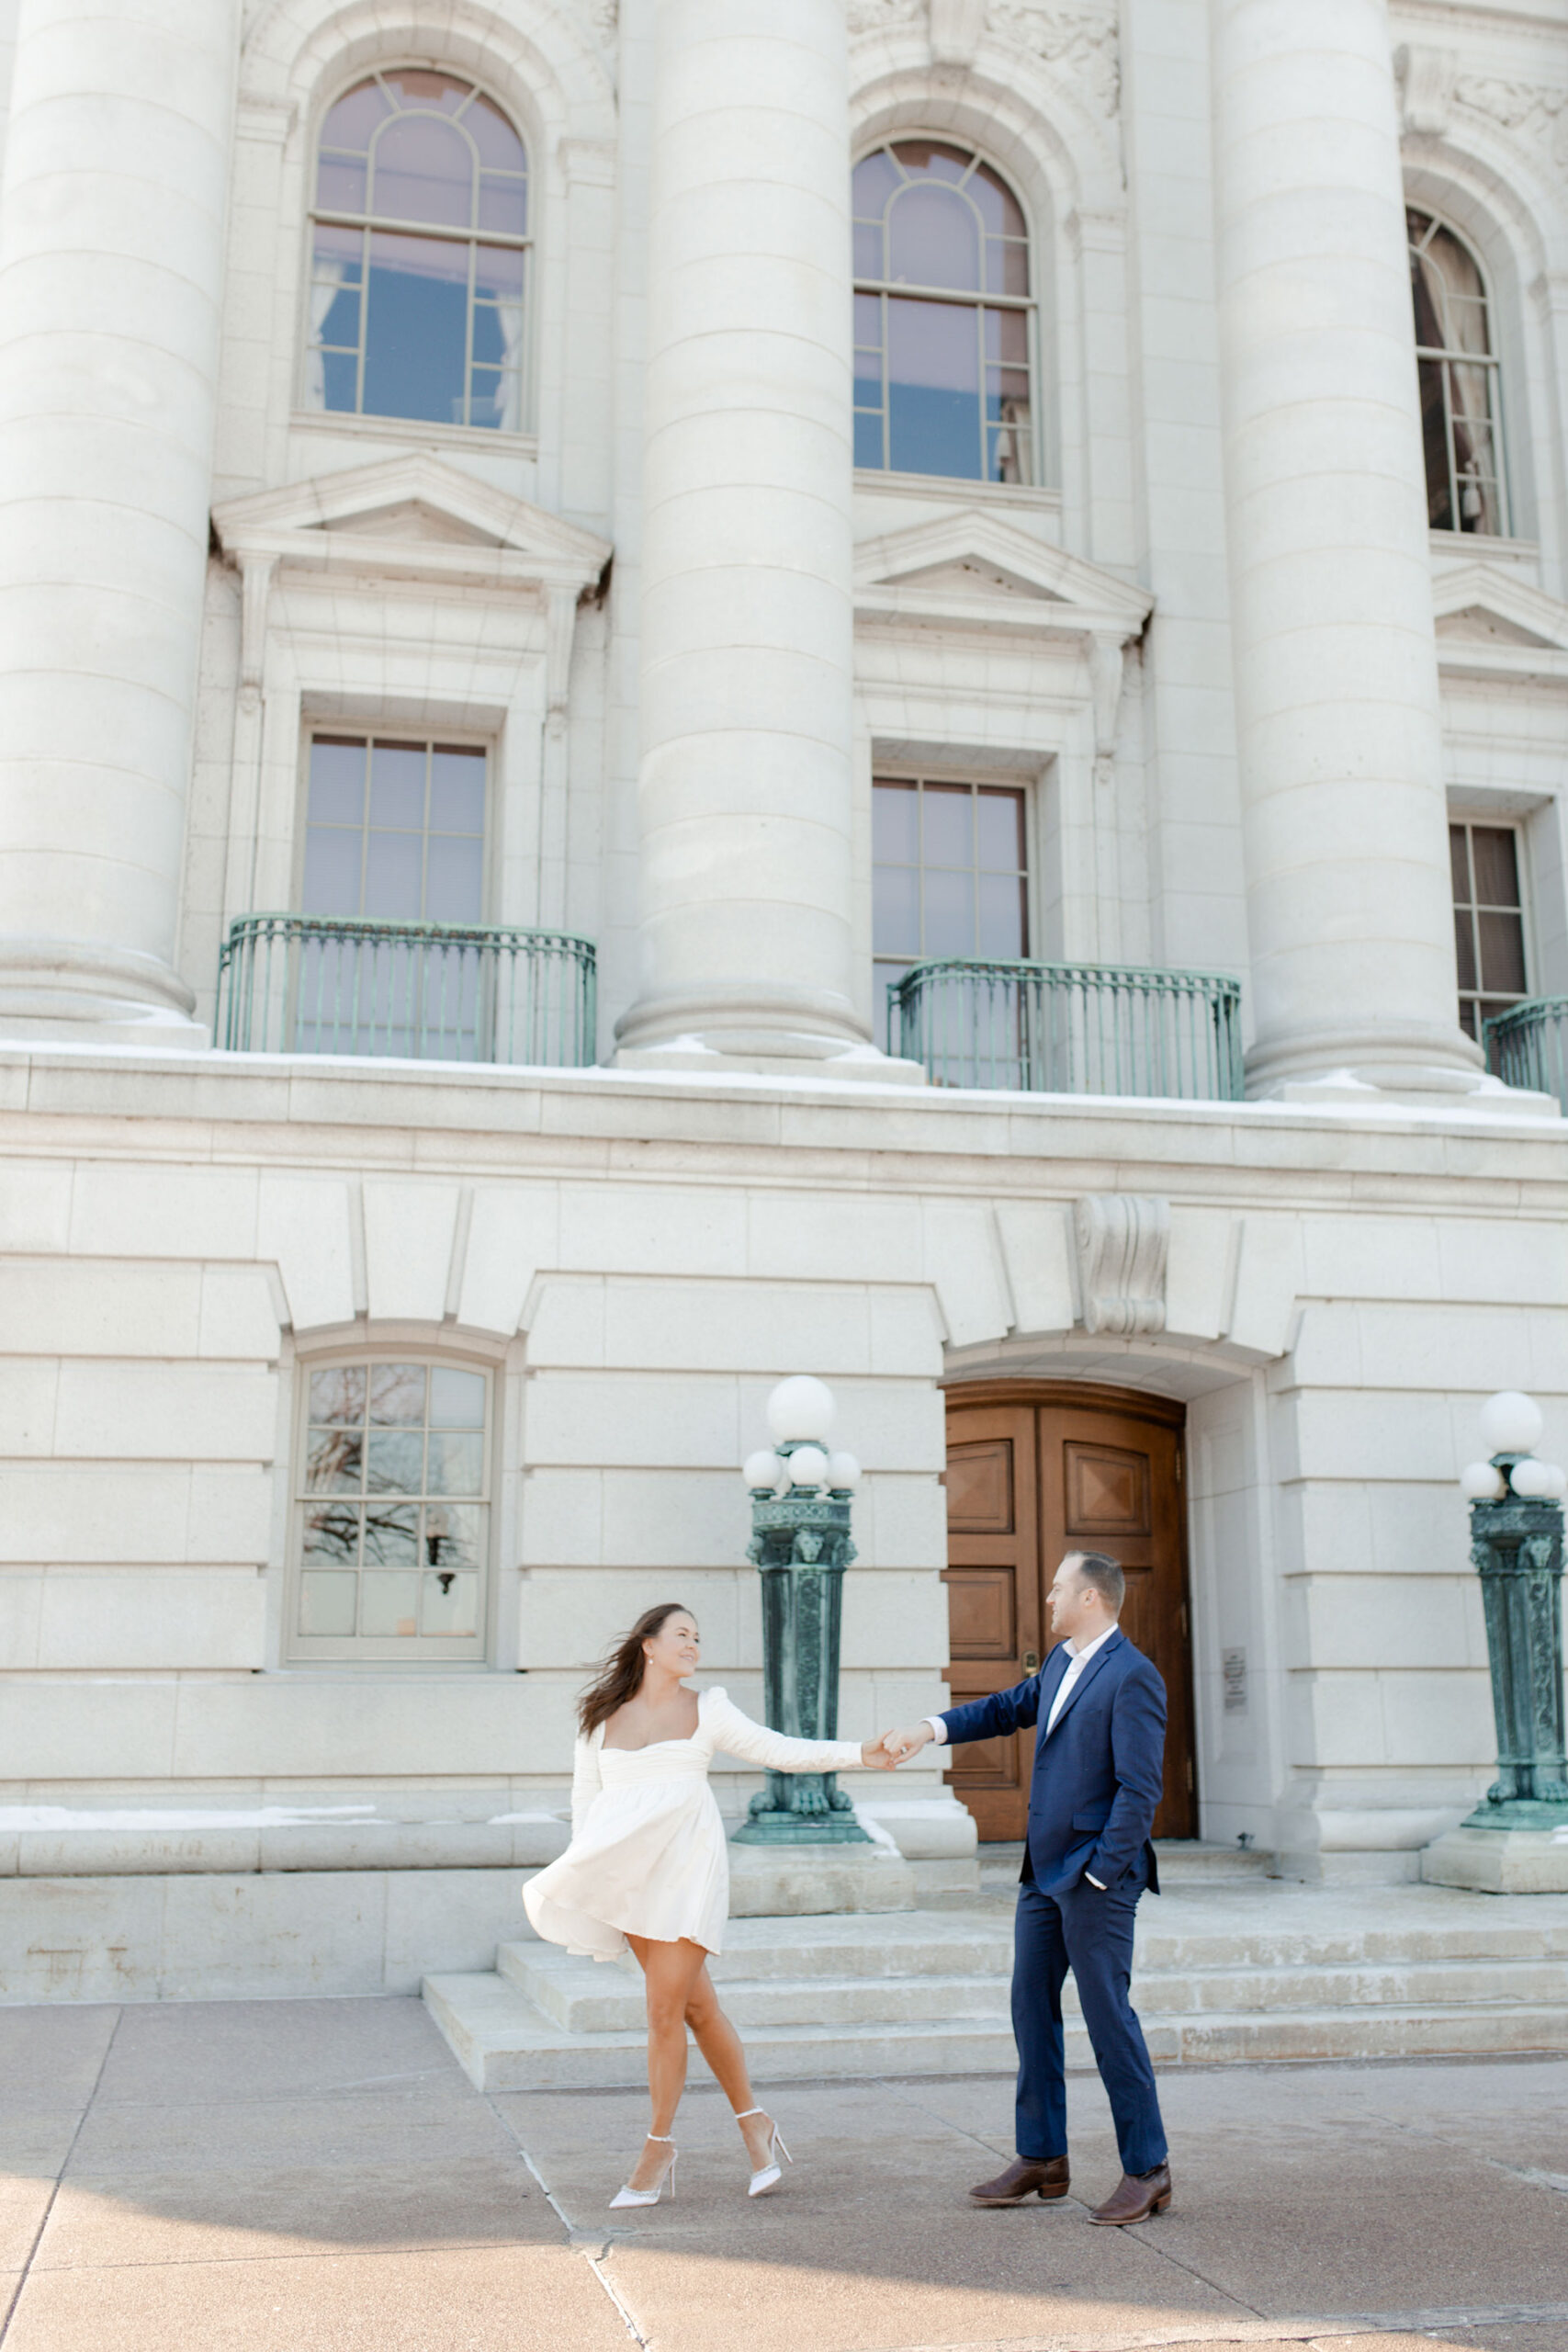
[1099, 1770]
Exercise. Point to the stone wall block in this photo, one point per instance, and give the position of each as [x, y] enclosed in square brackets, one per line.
[1269, 1279]
[963, 1259]
[141, 1621]
[511, 1235]
[1200, 1272]
[409, 1231]
[1036, 1245]
[303, 1222]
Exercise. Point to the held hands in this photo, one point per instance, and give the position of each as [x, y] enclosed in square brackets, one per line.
[875, 1757]
[898, 1746]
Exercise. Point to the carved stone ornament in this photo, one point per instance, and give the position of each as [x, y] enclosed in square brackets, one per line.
[884, 15]
[1534, 113]
[1077, 34]
[1122, 1239]
[1425, 87]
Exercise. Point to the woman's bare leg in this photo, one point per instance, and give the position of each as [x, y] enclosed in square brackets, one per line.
[669, 1972]
[720, 2045]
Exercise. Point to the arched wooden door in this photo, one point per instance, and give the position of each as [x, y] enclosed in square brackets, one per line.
[1034, 1470]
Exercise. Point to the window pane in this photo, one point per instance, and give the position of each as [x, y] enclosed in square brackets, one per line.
[391, 1534]
[1459, 866]
[949, 914]
[397, 1394]
[422, 170]
[422, 85]
[453, 1535]
[327, 1598]
[331, 881]
[1501, 952]
[449, 1603]
[1496, 868]
[338, 1394]
[933, 368]
[934, 239]
[1007, 266]
[456, 1463]
[500, 148]
[933, 157]
[895, 823]
[503, 206]
[396, 784]
[456, 790]
[332, 1532]
[456, 1399]
[868, 249]
[394, 1462]
[417, 328]
[1464, 948]
[998, 814]
[947, 813]
[873, 183]
[868, 442]
[341, 184]
[337, 780]
[1467, 1020]
[1435, 441]
[389, 1604]
[355, 117]
[393, 877]
[454, 885]
[1002, 934]
[334, 1460]
[895, 910]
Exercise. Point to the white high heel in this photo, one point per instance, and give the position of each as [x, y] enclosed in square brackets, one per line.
[624, 2196]
[767, 2175]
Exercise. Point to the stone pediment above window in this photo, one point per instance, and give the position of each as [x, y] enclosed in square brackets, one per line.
[1491, 624]
[413, 517]
[973, 570]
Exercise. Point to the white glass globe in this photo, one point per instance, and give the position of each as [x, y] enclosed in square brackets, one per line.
[844, 1472]
[800, 1408]
[1511, 1423]
[762, 1470]
[1538, 1481]
[807, 1467]
[1480, 1483]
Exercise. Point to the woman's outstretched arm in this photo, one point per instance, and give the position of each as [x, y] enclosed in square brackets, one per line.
[775, 1751]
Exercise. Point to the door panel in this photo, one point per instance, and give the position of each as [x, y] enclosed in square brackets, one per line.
[993, 1597]
[1045, 1470]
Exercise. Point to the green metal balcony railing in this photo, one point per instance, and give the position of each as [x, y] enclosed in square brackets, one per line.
[1071, 1028]
[1528, 1046]
[426, 992]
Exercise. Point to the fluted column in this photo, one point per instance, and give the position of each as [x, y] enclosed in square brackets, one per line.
[111, 258]
[1349, 906]
[744, 789]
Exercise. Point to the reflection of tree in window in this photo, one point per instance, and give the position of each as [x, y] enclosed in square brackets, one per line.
[419, 254]
[397, 1555]
[943, 316]
[1459, 413]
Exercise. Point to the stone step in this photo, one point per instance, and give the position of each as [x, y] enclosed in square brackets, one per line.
[504, 2043]
[1183, 1862]
[939, 1943]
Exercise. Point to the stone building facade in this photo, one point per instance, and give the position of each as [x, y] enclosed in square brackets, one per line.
[797, 501]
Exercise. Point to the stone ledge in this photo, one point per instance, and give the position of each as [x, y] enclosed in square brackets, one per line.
[1499, 1861]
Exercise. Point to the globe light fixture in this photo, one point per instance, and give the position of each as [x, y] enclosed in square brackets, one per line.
[1480, 1482]
[800, 1410]
[1511, 1422]
[843, 1473]
[807, 1467]
[763, 1472]
[1538, 1481]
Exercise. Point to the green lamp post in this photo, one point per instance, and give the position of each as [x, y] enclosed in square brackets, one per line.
[801, 1496]
[1516, 1525]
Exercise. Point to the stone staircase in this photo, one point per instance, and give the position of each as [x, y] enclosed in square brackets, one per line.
[1231, 1967]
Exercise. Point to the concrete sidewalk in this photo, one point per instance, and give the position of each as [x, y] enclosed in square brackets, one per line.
[320, 2176]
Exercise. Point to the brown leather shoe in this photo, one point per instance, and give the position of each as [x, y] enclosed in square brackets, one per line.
[1139, 2195]
[1025, 2177]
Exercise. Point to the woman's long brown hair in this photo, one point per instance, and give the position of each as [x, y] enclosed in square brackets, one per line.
[621, 1675]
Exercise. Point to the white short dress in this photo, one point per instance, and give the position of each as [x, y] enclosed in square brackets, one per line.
[647, 1855]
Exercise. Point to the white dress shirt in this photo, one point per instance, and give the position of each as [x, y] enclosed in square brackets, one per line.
[1077, 1661]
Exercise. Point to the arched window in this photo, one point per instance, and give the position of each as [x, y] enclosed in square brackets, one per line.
[420, 253]
[1460, 410]
[391, 1510]
[945, 323]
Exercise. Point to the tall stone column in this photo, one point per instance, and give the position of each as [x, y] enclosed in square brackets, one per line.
[744, 789]
[111, 259]
[1349, 904]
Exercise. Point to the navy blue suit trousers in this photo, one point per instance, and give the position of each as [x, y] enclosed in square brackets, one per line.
[1091, 1933]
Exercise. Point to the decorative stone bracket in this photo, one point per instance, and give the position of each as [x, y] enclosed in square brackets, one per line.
[1122, 1240]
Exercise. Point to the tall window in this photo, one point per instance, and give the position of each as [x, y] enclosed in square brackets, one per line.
[951, 874]
[1489, 922]
[1460, 409]
[394, 833]
[943, 316]
[420, 255]
[392, 1511]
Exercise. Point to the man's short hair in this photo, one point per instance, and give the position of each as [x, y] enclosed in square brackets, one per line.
[1104, 1573]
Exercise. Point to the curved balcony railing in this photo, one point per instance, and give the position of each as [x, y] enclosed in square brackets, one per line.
[1528, 1046]
[1071, 1028]
[425, 991]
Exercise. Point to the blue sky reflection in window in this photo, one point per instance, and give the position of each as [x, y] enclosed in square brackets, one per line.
[943, 316]
[419, 254]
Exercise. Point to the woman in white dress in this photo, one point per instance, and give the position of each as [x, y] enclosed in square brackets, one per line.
[647, 1866]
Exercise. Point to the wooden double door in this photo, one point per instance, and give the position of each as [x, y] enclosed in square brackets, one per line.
[1034, 1471]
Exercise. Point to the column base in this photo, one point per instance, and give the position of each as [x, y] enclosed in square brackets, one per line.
[759, 1032]
[1416, 1068]
[1499, 1861]
[70, 992]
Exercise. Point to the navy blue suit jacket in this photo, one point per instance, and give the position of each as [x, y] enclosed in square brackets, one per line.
[1098, 1774]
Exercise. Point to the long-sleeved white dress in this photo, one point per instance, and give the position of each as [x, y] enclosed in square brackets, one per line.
[647, 1855]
